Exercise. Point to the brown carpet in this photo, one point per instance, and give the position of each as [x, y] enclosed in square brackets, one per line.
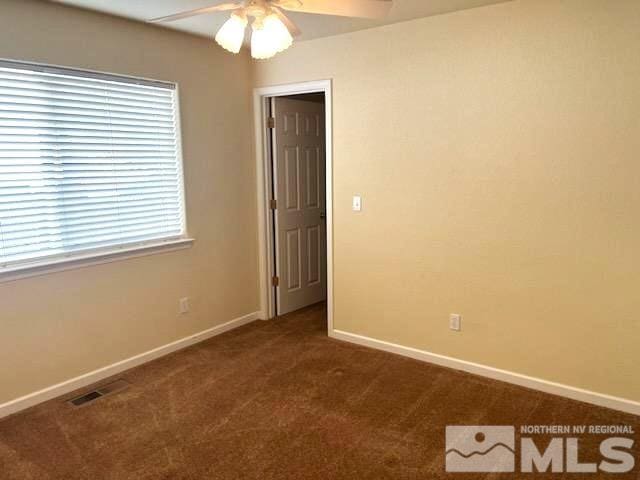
[279, 400]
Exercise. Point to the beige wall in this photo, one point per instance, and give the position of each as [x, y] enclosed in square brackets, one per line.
[496, 150]
[58, 326]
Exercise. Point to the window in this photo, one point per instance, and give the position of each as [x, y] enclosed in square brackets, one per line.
[89, 163]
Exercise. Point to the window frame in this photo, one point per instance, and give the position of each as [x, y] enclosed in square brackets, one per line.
[100, 255]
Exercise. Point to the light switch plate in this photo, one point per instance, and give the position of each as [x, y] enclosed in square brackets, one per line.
[455, 322]
[183, 305]
[357, 203]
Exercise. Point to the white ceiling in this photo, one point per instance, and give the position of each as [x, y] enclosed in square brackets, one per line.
[312, 26]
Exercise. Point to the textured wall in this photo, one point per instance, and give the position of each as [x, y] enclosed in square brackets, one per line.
[58, 326]
[496, 150]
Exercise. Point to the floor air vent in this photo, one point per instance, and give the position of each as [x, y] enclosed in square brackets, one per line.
[99, 392]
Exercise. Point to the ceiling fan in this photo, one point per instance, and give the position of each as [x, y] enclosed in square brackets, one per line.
[272, 30]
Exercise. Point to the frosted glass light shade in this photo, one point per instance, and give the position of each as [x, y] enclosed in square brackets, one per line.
[261, 47]
[231, 34]
[269, 37]
[278, 32]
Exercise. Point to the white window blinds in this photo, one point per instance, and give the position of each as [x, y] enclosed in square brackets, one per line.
[88, 162]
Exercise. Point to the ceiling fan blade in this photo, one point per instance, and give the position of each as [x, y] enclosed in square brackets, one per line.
[198, 11]
[344, 8]
[293, 29]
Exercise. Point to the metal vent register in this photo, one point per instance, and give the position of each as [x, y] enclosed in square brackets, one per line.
[103, 391]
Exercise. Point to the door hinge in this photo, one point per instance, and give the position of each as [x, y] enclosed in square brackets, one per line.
[273, 204]
[271, 122]
[275, 281]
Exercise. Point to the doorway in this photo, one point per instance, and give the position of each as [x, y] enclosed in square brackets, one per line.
[293, 131]
[298, 201]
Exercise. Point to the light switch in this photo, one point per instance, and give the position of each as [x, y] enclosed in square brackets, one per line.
[357, 203]
[183, 305]
[455, 322]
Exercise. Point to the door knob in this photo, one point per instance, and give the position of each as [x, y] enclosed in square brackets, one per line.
[323, 215]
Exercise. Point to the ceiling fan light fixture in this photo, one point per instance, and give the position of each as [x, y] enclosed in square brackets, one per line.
[273, 30]
[231, 34]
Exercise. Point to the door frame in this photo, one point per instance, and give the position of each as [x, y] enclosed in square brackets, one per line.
[261, 96]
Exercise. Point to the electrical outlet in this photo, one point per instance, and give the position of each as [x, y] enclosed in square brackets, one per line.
[183, 305]
[455, 322]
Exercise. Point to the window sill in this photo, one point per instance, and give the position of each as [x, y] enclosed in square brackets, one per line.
[19, 272]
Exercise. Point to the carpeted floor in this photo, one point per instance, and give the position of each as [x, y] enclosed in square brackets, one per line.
[279, 400]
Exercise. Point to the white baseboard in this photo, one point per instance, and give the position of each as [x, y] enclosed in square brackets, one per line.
[600, 399]
[63, 388]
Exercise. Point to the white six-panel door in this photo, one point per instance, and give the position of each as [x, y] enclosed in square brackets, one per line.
[299, 175]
